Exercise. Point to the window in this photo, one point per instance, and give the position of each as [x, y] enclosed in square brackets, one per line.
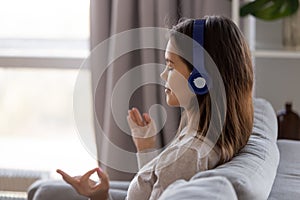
[44, 28]
[36, 121]
[42, 44]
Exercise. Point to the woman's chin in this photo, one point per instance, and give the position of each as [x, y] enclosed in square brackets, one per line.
[172, 102]
[171, 105]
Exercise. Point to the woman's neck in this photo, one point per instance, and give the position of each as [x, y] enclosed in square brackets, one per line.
[192, 121]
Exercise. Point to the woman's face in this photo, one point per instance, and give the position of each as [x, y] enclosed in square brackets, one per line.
[176, 75]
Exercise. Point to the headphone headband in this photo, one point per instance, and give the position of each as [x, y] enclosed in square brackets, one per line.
[199, 78]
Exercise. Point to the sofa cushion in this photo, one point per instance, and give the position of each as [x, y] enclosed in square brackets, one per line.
[252, 171]
[216, 188]
[53, 189]
[287, 181]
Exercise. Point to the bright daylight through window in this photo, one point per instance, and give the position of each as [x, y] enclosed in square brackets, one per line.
[37, 129]
[48, 27]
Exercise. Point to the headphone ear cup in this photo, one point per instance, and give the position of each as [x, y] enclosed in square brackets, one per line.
[198, 84]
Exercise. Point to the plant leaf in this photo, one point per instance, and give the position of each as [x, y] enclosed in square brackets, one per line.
[252, 7]
[270, 9]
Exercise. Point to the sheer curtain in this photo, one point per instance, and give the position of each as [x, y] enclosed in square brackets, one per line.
[109, 17]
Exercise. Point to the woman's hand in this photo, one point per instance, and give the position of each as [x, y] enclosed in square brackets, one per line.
[87, 187]
[143, 129]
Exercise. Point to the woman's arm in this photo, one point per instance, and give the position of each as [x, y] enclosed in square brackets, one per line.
[143, 131]
[143, 157]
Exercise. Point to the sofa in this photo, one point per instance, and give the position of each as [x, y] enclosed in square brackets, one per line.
[256, 172]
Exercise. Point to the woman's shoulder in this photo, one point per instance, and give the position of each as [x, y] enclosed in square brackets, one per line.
[193, 143]
[201, 144]
[187, 151]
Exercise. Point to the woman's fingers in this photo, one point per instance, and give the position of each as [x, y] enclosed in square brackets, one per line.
[104, 184]
[138, 117]
[102, 175]
[132, 116]
[67, 177]
[147, 118]
[87, 175]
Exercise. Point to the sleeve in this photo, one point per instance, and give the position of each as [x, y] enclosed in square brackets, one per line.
[143, 157]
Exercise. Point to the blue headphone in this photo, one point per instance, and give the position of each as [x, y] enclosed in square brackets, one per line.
[199, 80]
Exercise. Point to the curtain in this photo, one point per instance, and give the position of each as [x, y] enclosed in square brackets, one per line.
[110, 17]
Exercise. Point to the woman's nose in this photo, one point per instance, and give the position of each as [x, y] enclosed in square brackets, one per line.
[164, 75]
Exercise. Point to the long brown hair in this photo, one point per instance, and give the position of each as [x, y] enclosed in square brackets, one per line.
[227, 47]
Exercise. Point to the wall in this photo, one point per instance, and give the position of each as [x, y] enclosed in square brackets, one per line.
[277, 79]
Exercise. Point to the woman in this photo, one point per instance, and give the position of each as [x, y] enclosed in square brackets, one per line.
[189, 152]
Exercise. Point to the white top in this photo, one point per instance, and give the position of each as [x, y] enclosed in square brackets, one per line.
[182, 159]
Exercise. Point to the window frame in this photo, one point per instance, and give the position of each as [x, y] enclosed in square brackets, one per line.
[41, 62]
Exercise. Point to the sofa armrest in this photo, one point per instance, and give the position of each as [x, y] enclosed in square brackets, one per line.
[52, 189]
[60, 190]
[216, 187]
